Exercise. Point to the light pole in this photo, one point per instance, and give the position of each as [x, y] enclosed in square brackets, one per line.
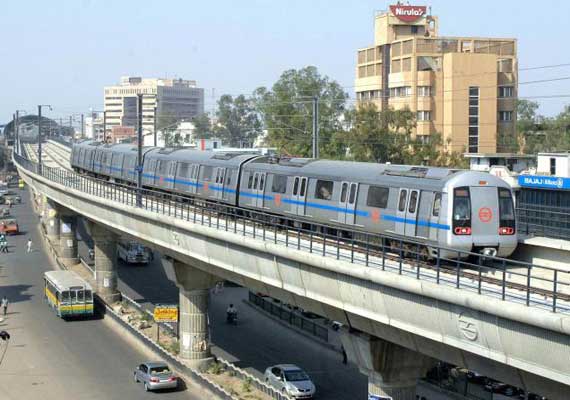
[155, 124]
[40, 135]
[16, 129]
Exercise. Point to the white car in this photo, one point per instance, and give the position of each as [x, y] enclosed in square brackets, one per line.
[291, 380]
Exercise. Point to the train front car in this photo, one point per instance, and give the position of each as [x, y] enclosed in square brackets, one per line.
[480, 213]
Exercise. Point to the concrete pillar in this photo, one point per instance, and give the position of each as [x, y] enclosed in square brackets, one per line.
[194, 287]
[52, 223]
[105, 247]
[67, 234]
[392, 370]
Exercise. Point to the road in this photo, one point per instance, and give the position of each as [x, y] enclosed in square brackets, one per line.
[257, 342]
[50, 358]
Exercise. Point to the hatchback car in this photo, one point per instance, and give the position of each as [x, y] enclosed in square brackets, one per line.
[291, 380]
[155, 375]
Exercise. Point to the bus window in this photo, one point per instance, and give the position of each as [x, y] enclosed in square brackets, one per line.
[80, 296]
[64, 296]
[72, 296]
[88, 296]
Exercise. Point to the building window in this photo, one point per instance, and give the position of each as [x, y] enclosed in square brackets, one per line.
[424, 91]
[473, 119]
[553, 166]
[424, 116]
[506, 91]
[414, 29]
[505, 116]
[402, 91]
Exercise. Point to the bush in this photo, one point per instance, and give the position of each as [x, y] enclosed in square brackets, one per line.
[216, 368]
[246, 385]
[146, 317]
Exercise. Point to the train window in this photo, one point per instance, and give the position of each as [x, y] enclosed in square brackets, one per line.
[250, 181]
[506, 210]
[207, 173]
[163, 167]
[343, 192]
[377, 197]
[461, 205]
[402, 201]
[261, 181]
[255, 180]
[352, 196]
[436, 205]
[183, 169]
[279, 184]
[229, 177]
[303, 186]
[296, 186]
[413, 202]
[324, 190]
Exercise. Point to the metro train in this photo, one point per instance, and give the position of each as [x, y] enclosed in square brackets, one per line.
[456, 209]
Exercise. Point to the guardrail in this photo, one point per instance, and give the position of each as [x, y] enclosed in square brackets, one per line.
[59, 140]
[290, 317]
[499, 278]
[552, 223]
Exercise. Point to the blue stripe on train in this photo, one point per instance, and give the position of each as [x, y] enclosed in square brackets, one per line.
[360, 213]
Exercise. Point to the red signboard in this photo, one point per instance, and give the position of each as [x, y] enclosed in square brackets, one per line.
[408, 13]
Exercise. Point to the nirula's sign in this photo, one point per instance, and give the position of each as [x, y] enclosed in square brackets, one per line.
[544, 182]
[408, 13]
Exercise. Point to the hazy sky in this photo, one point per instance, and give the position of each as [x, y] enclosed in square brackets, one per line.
[63, 52]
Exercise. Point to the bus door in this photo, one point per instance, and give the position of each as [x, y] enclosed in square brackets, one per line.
[299, 195]
[347, 202]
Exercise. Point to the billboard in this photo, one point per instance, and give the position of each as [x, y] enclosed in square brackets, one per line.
[166, 313]
[408, 13]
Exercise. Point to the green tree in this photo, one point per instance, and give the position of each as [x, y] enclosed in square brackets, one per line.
[287, 110]
[238, 123]
[202, 126]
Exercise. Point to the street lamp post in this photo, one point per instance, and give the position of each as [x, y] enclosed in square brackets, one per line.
[40, 135]
[155, 124]
[16, 131]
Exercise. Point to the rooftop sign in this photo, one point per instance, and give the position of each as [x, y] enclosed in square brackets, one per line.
[408, 13]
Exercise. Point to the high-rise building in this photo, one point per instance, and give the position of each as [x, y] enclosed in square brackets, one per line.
[463, 88]
[173, 100]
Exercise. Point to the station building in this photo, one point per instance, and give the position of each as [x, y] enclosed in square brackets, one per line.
[463, 88]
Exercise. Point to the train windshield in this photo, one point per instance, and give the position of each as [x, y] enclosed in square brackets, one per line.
[461, 205]
[506, 209]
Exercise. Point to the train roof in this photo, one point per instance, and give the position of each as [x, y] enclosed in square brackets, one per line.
[198, 156]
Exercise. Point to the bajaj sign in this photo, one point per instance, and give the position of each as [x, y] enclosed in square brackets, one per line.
[408, 13]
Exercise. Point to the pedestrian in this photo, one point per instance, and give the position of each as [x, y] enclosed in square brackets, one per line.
[29, 245]
[344, 357]
[5, 304]
[3, 244]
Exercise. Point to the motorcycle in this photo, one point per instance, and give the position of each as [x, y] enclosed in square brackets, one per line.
[231, 318]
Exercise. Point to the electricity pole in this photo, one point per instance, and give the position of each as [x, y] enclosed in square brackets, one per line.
[40, 136]
[139, 149]
[315, 127]
[155, 123]
[104, 126]
[82, 127]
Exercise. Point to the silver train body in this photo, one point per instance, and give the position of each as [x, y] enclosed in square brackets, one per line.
[456, 209]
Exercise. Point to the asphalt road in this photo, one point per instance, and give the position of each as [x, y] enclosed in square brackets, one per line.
[48, 358]
[257, 341]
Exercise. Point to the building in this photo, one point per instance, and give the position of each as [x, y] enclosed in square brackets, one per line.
[167, 100]
[120, 134]
[182, 134]
[463, 88]
[94, 126]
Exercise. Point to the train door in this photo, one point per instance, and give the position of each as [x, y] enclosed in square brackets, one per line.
[434, 217]
[299, 195]
[412, 213]
[400, 222]
[347, 202]
[169, 181]
[193, 178]
[220, 179]
[259, 190]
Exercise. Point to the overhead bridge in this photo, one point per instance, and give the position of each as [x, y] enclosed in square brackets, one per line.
[501, 318]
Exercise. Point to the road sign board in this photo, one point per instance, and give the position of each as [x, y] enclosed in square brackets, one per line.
[166, 313]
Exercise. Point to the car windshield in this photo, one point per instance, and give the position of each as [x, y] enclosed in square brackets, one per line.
[162, 369]
[296, 375]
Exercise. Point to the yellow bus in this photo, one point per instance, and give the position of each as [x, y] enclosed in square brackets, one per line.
[68, 294]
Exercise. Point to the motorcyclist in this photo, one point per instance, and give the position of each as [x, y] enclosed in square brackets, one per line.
[231, 313]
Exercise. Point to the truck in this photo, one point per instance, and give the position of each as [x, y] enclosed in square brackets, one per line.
[131, 252]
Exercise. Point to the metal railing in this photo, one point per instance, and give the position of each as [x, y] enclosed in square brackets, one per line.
[552, 222]
[502, 279]
[289, 316]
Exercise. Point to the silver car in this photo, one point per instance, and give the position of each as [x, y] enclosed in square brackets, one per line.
[155, 375]
[291, 380]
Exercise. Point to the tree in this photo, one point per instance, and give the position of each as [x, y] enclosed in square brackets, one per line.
[238, 123]
[202, 126]
[287, 110]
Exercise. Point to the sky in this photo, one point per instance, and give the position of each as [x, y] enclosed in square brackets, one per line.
[63, 52]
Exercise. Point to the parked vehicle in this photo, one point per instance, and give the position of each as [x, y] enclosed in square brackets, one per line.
[155, 375]
[4, 212]
[291, 380]
[494, 386]
[68, 294]
[9, 227]
[131, 252]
